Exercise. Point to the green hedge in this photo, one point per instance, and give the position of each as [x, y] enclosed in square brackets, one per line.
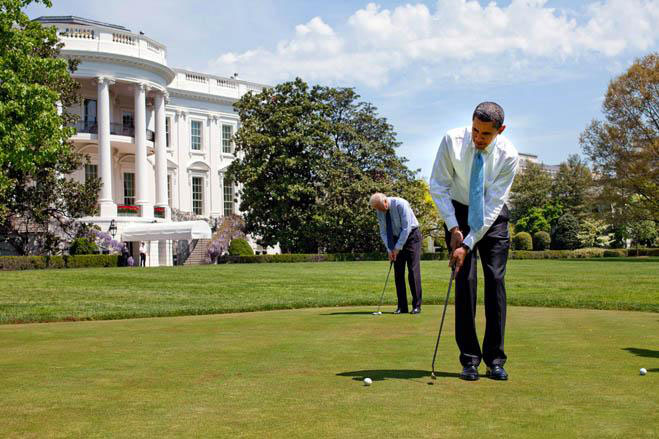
[22, 262]
[41, 262]
[85, 261]
[334, 257]
[643, 252]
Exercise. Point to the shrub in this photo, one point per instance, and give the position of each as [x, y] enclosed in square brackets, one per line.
[615, 253]
[522, 241]
[566, 234]
[22, 262]
[82, 246]
[541, 241]
[240, 247]
[55, 262]
[83, 261]
[643, 252]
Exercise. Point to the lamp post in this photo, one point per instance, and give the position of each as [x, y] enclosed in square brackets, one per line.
[112, 229]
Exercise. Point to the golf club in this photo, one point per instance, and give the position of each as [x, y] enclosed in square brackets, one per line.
[377, 313]
[441, 325]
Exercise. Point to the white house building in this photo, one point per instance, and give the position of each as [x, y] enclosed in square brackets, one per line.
[159, 138]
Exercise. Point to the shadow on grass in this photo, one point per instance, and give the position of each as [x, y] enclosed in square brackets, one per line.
[353, 313]
[648, 353]
[401, 374]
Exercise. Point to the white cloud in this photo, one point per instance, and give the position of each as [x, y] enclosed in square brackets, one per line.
[459, 40]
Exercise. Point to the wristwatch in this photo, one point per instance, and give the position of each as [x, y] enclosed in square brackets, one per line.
[466, 247]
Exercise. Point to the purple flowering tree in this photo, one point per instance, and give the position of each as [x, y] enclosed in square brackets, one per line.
[105, 241]
[231, 227]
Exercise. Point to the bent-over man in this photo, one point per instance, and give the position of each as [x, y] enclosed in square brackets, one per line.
[399, 230]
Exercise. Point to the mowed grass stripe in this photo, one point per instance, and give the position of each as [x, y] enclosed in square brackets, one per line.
[117, 293]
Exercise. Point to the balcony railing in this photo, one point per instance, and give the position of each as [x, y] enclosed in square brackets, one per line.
[118, 129]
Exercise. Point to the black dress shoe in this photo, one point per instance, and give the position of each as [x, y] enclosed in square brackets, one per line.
[497, 373]
[400, 311]
[469, 373]
[416, 311]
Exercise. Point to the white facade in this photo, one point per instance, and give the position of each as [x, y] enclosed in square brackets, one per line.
[158, 138]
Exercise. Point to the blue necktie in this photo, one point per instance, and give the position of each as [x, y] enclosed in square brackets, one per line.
[390, 232]
[476, 194]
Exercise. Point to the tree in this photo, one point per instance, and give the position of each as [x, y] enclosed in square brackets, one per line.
[308, 159]
[531, 188]
[643, 233]
[566, 234]
[592, 233]
[572, 187]
[38, 203]
[624, 149]
[533, 222]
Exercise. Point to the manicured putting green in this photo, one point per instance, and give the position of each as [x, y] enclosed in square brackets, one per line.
[298, 373]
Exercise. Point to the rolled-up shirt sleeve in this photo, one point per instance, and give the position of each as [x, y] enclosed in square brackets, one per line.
[495, 197]
[440, 183]
[406, 220]
[383, 227]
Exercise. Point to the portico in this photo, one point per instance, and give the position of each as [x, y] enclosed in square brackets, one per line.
[143, 201]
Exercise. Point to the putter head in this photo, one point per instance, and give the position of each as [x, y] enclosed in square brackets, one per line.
[377, 313]
[432, 375]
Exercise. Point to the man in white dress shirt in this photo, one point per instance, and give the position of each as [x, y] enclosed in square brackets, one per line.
[470, 183]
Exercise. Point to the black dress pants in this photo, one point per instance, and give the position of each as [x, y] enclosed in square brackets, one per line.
[410, 254]
[493, 252]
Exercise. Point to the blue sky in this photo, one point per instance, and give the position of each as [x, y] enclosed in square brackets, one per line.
[423, 64]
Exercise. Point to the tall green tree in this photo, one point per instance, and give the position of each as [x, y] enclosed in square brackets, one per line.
[531, 189]
[624, 148]
[572, 187]
[38, 203]
[308, 159]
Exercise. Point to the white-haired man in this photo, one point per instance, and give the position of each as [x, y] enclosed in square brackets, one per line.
[399, 230]
[470, 182]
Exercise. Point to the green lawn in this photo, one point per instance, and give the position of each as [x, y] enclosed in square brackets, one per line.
[114, 293]
[297, 373]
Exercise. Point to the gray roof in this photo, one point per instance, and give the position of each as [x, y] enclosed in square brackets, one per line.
[71, 19]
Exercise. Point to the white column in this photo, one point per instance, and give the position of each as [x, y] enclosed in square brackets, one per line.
[108, 207]
[161, 155]
[141, 163]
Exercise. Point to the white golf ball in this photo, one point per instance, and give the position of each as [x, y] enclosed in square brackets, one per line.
[368, 381]
[643, 371]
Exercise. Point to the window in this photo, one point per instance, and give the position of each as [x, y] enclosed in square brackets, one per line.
[198, 195]
[91, 171]
[195, 135]
[128, 123]
[90, 112]
[169, 190]
[227, 134]
[228, 197]
[129, 188]
[167, 131]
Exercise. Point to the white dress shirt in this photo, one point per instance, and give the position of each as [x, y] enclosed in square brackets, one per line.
[451, 174]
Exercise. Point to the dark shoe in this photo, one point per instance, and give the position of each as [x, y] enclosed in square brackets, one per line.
[416, 311]
[497, 373]
[469, 373]
[400, 311]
